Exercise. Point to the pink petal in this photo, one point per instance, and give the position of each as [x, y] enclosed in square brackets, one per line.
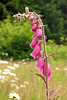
[34, 34]
[36, 51]
[44, 70]
[40, 63]
[34, 27]
[32, 22]
[39, 33]
[34, 42]
[31, 18]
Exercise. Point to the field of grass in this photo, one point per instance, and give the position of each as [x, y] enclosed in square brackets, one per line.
[16, 77]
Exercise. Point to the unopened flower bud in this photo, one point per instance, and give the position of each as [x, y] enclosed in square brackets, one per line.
[27, 9]
[31, 18]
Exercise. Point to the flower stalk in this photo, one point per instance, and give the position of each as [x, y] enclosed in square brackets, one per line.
[39, 33]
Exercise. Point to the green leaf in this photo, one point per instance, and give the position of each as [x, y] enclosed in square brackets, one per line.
[39, 76]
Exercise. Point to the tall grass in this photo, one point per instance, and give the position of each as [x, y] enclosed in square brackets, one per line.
[34, 88]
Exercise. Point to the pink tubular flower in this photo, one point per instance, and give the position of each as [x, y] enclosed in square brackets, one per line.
[34, 27]
[34, 42]
[31, 18]
[32, 22]
[39, 33]
[38, 23]
[44, 70]
[34, 34]
[36, 51]
[40, 63]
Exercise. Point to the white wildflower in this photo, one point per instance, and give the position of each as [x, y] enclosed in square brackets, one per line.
[57, 68]
[23, 60]
[65, 68]
[4, 73]
[11, 59]
[14, 95]
[6, 54]
[16, 78]
[26, 82]
[4, 62]
[16, 65]
[7, 70]
[22, 85]
[12, 74]
[27, 58]
[13, 81]
[10, 67]
[3, 53]
[17, 87]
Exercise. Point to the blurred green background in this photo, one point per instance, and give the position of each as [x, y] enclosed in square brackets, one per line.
[15, 37]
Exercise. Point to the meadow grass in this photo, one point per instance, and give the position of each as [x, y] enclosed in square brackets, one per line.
[30, 86]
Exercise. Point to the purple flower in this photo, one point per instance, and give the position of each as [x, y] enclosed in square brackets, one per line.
[34, 42]
[34, 27]
[34, 34]
[44, 70]
[32, 22]
[39, 33]
[36, 51]
[40, 63]
[31, 18]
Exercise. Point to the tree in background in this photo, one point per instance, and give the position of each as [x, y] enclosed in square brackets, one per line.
[54, 14]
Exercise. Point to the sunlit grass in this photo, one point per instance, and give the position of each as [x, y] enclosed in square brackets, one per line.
[29, 86]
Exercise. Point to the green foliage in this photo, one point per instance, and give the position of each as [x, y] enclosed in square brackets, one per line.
[54, 14]
[3, 11]
[15, 39]
[59, 50]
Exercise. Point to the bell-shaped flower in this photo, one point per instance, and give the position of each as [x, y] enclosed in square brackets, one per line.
[34, 27]
[34, 42]
[34, 34]
[40, 63]
[36, 51]
[39, 32]
[32, 23]
[44, 70]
